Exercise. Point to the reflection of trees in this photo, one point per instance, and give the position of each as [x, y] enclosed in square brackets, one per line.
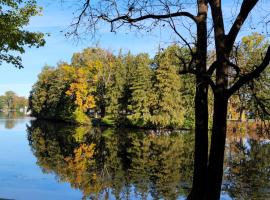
[123, 163]
[161, 162]
[248, 172]
[10, 123]
[102, 163]
[10, 119]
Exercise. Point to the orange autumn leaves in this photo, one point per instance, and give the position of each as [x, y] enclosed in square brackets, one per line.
[68, 91]
[82, 87]
[82, 168]
[81, 92]
[83, 158]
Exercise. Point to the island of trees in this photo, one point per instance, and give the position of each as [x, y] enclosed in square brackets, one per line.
[136, 90]
[123, 89]
[150, 92]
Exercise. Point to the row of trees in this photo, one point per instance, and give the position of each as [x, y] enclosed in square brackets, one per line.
[139, 91]
[196, 24]
[129, 89]
[10, 101]
[203, 27]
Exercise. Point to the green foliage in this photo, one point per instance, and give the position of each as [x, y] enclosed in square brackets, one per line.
[108, 120]
[120, 88]
[252, 99]
[187, 91]
[168, 106]
[141, 91]
[48, 97]
[130, 89]
[11, 101]
[80, 117]
[116, 87]
[14, 16]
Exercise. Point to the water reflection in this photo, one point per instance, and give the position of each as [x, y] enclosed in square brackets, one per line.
[248, 169]
[11, 119]
[125, 164]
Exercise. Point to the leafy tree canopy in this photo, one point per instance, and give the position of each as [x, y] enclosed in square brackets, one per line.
[14, 37]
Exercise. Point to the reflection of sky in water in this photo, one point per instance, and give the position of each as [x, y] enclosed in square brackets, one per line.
[13, 124]
[246, 144]
[20, 177]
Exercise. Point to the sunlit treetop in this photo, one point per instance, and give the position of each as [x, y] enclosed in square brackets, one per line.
[14, 36]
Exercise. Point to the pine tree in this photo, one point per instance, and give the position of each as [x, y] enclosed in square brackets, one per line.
[141, 91]
[168, 110]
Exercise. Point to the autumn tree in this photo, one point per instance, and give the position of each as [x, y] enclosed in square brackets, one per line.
[100, 64]
[205, 16]
[14, 37]
[252, 98]
[81, 93]
[62, 93]
[10, 101]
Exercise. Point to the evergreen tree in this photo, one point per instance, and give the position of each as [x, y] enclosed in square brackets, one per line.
[141, 91]
[116, 87]
[168, 109]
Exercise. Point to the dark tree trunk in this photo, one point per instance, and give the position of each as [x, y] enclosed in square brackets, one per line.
[216, 157]
[201, 108]
[201, 143]
[102, 110]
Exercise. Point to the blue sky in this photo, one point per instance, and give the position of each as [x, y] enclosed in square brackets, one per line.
[56, 18]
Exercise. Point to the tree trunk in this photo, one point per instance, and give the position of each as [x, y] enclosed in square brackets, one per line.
[201, 108]
[102, 110]
[201, 142]
[216, 157]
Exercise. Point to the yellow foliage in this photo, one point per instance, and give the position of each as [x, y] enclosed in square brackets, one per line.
[234, 109]
[82, 164]
[81, 90]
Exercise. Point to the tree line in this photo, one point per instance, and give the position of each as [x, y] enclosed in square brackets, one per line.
[136, 90]
[125, 88]
[10, 101]
[224, 75]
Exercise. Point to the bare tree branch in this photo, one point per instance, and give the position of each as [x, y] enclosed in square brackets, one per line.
[212, 68]
[172, 25]
[234, 66]
[129, 19]
[245, 9]
[249, 76]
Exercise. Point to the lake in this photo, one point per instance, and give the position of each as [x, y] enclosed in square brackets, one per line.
[41, 160]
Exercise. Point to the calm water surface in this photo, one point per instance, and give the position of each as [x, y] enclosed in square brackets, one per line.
[40, 160]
